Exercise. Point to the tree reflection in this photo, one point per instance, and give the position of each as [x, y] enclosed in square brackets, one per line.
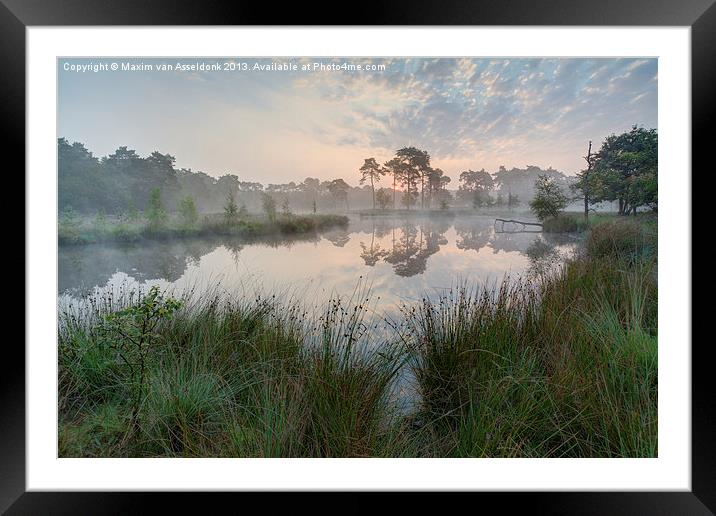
[234, 249]
[472, 235]
[406, 245]
[338, 237]
[512, 242]
[414, 245]
[374, 253]
[83, 267]
[543, 255]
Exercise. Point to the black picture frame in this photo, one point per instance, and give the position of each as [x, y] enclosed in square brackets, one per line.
[700, 15]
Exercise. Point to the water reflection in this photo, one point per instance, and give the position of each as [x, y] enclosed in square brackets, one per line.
[472, 236]
[401, 259]
[545, 255]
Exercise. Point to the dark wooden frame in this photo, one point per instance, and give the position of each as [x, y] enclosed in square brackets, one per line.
[700, 15]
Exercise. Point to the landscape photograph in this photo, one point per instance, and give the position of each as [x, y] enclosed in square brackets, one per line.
[357, 257]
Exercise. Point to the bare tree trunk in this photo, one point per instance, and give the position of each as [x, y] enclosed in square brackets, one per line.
[422, 189]
[393, 191]
[586, 180]
[373, 189]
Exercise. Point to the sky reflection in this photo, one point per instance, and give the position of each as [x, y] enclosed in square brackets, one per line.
[400, 260]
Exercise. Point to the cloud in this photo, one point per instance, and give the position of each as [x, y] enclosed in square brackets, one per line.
[460, 106]
[465, 112]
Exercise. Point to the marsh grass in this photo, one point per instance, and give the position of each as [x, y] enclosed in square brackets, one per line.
[231, 378]
[563, 365]
[123, 230]
[560, 365]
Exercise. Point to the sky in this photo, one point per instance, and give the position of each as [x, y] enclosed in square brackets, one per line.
[281, 120]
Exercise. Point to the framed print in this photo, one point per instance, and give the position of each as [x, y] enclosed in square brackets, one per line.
[438, 256]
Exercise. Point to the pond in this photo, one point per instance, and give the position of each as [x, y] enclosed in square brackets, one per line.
[400, 260]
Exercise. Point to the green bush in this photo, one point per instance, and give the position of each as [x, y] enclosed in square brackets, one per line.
[549, 200]
[564, 223]
[133, 334]
[155, 212]
[187, 210]
[124, 232]
[69, 226]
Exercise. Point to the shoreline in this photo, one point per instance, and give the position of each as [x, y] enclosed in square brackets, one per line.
[209, 225]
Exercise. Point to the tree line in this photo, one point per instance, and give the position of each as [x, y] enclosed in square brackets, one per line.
[623, 170]
[125, 182]
[424, 186]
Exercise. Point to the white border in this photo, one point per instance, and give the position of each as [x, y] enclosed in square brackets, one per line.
[670, 471]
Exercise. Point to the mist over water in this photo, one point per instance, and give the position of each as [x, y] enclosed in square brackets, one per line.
[400, 260]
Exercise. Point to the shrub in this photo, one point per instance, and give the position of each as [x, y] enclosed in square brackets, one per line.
[187, 209]
[100, 221]
[549, 199]
[132, 333]
[565, 224]
[326, 221]
[69, 227]
[231, 210]
[269, 206]
[296, 225]
[155, 213]
[124, 232]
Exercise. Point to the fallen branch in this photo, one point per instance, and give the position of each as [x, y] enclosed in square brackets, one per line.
[511, 221]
